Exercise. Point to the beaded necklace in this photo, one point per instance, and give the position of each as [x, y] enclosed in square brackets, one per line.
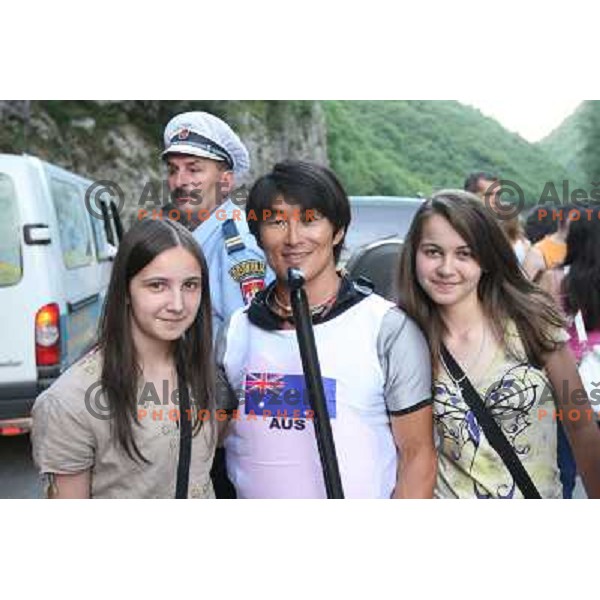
[286, 312]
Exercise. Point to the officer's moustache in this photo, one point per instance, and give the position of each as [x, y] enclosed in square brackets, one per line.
[195, 196]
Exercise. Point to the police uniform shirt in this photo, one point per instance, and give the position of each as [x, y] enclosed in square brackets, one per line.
[236, 265]
[374, 363]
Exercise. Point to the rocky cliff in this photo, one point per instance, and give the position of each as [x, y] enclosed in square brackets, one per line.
[121, 141]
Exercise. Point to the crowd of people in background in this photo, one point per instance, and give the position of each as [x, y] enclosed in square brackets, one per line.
[467, 388]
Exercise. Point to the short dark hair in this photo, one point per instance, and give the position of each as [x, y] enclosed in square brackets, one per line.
[539, 223]
[311, 186]
[473, 179]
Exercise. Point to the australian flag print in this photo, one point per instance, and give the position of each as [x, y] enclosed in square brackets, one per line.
[284, 395]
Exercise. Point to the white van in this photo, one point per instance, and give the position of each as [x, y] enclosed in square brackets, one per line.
[55, 263]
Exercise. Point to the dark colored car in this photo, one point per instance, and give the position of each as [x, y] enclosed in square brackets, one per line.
[378, 217]
[374, 239]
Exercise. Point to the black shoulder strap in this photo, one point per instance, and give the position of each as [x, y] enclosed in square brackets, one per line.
[491, 429]
[185, 439]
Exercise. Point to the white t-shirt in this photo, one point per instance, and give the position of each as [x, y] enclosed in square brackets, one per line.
[374, 360]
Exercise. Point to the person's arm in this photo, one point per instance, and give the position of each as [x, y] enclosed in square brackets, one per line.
[547, 282]
[63, 442]
[227, 401]
[226, 398]
[577, 417]
[69, 487]
[534, 263]
[405, 361]
[417, 465]
[550, 282]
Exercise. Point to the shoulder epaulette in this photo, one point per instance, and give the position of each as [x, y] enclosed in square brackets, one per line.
[233, 240]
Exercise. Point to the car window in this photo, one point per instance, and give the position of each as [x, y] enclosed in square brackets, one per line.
[10, 234]
[72, 224]
[100, 223]
[376, 220]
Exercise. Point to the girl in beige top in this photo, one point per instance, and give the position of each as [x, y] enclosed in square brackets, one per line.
[109, 426]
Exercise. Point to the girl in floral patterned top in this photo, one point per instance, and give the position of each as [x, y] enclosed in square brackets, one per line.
[460, 280]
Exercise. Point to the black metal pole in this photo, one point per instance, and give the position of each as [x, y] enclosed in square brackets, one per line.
[314, 384]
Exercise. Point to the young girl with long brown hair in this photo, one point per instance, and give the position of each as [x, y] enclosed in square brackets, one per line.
[112, 426]
[460, 281]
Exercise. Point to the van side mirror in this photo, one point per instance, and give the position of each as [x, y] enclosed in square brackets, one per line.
[117, 220]
[36, 233]
[111, 251]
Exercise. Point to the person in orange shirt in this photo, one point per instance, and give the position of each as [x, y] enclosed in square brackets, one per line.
[551, 251]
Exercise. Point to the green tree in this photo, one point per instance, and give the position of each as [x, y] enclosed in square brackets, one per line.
[590, 130]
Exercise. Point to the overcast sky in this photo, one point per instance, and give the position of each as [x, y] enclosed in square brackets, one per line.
[532, 119]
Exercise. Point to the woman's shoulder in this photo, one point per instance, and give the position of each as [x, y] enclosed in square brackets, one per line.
[514, 340]
[70, 390]
[65, 422]
[513, 348]
[83, 373]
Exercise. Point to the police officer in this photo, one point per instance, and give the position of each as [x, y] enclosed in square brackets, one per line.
[203, 156]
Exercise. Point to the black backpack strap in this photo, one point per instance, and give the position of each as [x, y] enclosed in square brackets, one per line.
[491, 429]
[185, 439]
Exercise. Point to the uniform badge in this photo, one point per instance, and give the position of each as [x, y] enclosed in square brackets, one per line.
[250, 274]
[184, 134]
[251, 287]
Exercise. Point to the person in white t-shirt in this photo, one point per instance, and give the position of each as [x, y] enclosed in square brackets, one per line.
[374, 360]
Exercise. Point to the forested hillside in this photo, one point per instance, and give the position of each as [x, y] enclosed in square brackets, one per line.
[565, 144]
[411, 147]
[376, 147]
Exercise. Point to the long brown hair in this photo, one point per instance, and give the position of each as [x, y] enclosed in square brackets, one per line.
[503, 290]
[192, 352]
[581, 285]
[513, 229]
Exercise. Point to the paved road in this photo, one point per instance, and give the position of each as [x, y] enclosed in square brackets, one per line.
[18, 477]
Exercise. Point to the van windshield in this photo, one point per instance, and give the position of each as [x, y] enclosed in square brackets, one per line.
[10, 238]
